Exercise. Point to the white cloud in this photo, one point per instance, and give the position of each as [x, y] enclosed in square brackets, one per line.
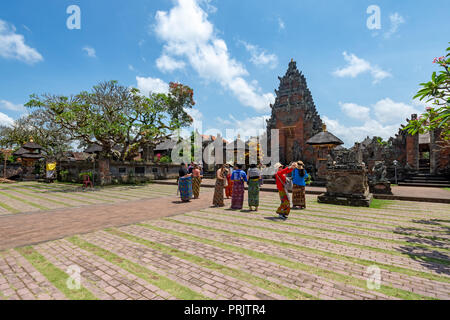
[189, 35]
[6, 105]
[12, 45]
[168, 64]
[195, 114]
[382, 119]
[355, 111]
[396, 21]
[90, 52]
[388, 111]
[352, 134]
[281, 24]
[131, 68]
[5, 120]
[151, 85]
[259, 56]
[357, 66]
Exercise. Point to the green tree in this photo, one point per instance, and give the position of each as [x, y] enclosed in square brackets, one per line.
[437, 92]
[44, 131]
[116, 116]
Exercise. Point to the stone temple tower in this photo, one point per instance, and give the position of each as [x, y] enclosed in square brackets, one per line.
[295, 115]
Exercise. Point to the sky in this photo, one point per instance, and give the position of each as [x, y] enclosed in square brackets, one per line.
[362, 71]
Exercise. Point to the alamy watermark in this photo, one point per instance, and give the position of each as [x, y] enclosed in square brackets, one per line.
[74, 20]
[374, 21]
[374, 277]
[231, 147]
[74, 280]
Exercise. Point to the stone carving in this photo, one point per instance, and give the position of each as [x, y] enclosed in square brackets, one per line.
[347, 182]
[378, 183]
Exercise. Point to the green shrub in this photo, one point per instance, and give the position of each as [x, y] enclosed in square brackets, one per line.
[64, 175]
[82, 174]
[165, 159]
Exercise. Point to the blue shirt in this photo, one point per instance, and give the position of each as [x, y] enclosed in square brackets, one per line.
[238, 175]
[297, 180]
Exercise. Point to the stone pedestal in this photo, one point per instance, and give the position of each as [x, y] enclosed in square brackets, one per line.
[380, 188]
[347, 187]
[347, 182]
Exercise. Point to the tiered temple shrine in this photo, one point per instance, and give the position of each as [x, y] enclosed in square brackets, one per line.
[294, 114]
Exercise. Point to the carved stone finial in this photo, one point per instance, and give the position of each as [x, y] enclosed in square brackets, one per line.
[31, 139]
[324, 127]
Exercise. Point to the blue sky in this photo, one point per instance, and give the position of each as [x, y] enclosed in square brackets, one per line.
[231, 53]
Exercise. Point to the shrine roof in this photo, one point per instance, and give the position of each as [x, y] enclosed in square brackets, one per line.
[31, 145]
[324, 137]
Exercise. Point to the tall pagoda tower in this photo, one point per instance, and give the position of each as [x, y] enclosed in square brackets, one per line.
[295, 116]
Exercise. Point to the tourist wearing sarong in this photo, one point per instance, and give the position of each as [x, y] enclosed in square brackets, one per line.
[238, 177]
[254, 182]
[280, 177]
[299, 176]
[185, 184]
[196, 181]
[218, 189]
[229, 187]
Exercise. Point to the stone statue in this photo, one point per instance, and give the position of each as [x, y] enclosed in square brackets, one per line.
[379, 173]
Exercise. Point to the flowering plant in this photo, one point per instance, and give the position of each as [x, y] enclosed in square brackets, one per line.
[437, 92]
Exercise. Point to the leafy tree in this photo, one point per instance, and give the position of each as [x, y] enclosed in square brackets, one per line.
[115, 116]
[437, 92]
[41, 128]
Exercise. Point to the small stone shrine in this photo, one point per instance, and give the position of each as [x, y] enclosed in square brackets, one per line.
[378, 183]
[347, 182]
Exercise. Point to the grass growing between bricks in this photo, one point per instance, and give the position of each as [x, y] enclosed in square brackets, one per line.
[54, 275]
[364, 262]
[24, 201]
[164, 283]
[417, 257]
[328, 274]
[238, 274]
[380, 203]
[10, 209]
[31, 194]
[402, 242]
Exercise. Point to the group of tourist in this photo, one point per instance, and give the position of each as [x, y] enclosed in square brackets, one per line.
[232, 181]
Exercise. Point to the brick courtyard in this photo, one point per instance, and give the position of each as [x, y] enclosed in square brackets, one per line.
[140, 243]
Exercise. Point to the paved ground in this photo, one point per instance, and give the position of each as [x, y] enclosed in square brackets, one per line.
[155, 248]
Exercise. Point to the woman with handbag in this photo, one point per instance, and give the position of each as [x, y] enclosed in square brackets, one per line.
[285, 207]
[298, 191]
[238, 177]
[254, 181]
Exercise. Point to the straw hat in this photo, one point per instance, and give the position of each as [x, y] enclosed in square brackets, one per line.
[277, 165]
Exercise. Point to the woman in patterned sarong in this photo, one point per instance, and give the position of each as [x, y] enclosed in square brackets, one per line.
[238, 177]
[254, 180]
[185, 184]
[299, 175]
[218, 189]
[229, 187]
[285, 207]
[196, 181]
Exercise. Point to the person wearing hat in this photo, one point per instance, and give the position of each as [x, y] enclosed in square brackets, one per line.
[221, 177]
[238, 177]
[299, 176]
[280, 177]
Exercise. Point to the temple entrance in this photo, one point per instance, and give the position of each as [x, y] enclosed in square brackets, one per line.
[424, 153]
